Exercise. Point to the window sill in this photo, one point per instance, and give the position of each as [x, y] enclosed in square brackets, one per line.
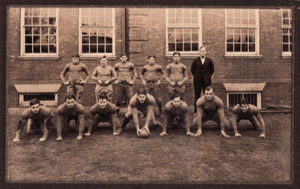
[243, 56]
[286, 55]
[97, 57]
[184, 56]
[38, 58]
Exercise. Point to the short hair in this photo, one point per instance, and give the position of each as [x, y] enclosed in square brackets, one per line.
[123, 54]
[243, 101]
[34, 101]
[208, 88]
[176, 53]
[151, 57]
[102, 95]
[76, 55]
[102, 57]
[141, 91]
[70, 96]
[175, 95]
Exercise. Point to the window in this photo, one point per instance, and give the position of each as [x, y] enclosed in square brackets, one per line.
[251, 91]
[97, 35]
[242, 32]
[234, 98]
[39, 30]
[183, 31]
[286, 15]
[46, 93]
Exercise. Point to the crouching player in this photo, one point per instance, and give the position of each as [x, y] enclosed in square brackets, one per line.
[176, 113]
[209, 107]
[140, 102]
[38, 118]
[70, 110]
[104, 111]
[245, 111]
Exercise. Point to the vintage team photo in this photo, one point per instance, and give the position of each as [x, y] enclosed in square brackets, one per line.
[149, 95]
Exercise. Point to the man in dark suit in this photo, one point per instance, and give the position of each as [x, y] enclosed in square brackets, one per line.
[202, 70]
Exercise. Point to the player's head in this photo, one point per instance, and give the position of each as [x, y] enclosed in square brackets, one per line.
[209, 93]
[151, 60]
[34, 105]
[102, 100]
[70, 101]
[103, 60]
[176, 56]
[141, 95]
[244, 106]
[123, 58]
[202, 51]
[75, 58]
[176, 100]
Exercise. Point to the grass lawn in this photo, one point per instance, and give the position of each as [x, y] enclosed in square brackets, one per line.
[176, 158]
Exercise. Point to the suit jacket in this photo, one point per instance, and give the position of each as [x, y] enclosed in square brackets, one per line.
[202, 73]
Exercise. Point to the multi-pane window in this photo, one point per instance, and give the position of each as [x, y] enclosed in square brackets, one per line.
[242, 31]
[39, 31]
[96, 31]
[183, 30]
[286, 31]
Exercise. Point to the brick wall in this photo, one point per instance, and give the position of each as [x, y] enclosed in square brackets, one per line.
[147, 36]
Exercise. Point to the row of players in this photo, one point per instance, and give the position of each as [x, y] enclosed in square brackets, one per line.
[175, 112]
[124, 74]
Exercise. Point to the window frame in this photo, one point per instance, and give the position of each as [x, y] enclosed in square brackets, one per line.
[286, 53]
[257, 37]
[183, 53]
[22, 35]
[97, 55]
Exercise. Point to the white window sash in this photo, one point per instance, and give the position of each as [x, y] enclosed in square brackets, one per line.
[256, 27]
[22, 34]
[199, 27]
[96, 55]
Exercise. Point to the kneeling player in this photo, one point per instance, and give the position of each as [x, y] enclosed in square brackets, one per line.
[104, 111]
[209, 107]
[140, 102]
[70, 110]
[38, 118]
[245, 111]
[175, 114]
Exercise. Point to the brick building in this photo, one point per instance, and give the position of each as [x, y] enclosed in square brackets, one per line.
[251, 48]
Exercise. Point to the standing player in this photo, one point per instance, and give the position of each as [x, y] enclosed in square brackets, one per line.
[126, 77]
[140, 102]
[38, 118]
[176, 113]
[176, 75]
[104, 75]
[75, 82]
[209, 107]
[151, 76]
[104, 111]
[70, 110]
[245, 111]
[202, 69]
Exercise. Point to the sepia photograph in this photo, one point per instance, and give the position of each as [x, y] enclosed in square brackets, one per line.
[149, 95]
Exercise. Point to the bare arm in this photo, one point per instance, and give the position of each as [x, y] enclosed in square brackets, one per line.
[149, 115]
[113, 76]
[185, 75]
[262, 124]
[134, 113]
[223, 121]
[63, 74]
[167, 76]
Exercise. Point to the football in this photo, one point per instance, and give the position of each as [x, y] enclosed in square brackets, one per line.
[144, 133]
